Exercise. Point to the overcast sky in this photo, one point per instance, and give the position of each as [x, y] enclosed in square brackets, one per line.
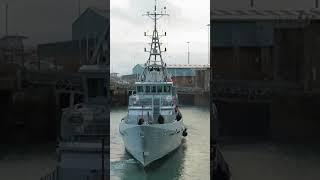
[43, 21]
[187, 22]
[50, 20]
[46, 21]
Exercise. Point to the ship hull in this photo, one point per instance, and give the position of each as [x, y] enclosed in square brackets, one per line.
[147, 143]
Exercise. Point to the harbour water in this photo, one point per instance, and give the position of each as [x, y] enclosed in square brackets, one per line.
[273, 160]
[27, 161]
[190, 161]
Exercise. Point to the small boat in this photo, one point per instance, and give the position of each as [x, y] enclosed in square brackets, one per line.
[153, 126]
[84, 130]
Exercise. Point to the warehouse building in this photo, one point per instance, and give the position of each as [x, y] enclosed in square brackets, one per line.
[266, 72]
[87, 30]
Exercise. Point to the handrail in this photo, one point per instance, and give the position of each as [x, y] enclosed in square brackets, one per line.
[51, 176]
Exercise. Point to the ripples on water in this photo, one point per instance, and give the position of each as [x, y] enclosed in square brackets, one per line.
[273, 161]
[190, 161]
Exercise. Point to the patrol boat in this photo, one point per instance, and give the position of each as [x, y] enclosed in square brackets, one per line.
[153, 126]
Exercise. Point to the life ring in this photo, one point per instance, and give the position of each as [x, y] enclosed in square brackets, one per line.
[140, 121]
[160, 119]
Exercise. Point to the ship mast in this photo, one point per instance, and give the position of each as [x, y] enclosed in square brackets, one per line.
[155, 57]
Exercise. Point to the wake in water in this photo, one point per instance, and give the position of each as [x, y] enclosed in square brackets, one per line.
[122, 164]
[190, 161]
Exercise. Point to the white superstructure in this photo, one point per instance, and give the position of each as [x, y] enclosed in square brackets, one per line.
[153, 126]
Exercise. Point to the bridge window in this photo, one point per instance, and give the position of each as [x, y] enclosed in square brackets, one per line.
[154, 89]
[159, 89]
[147, 89]
[140, 89]
[167, 89]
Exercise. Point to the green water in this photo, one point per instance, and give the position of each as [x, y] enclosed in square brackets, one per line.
[191, 161]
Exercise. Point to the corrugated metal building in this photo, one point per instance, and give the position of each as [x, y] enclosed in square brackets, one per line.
[242, 50]
[243, 34]
[274, 50]
[266, 45]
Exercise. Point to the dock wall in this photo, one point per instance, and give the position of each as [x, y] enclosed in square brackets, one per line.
[286, 117]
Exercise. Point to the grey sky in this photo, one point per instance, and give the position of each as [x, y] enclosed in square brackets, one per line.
[50, 20]
[43, 20]
[187, 22]
[46, 21]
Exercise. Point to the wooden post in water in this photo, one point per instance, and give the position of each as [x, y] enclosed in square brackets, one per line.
[7, 7]
[102, 159]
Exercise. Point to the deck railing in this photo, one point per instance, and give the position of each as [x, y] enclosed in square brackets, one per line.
[51, 176]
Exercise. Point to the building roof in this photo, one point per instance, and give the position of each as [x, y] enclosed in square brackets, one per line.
[192, 66]
[264, 14]
[102, 12]
[184, 66]
[13, 37]
[99, 11]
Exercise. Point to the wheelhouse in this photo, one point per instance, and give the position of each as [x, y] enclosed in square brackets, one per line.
[148, 95]
[152, 89]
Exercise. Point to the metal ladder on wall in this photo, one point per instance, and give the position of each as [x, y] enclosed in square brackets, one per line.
[156, 108]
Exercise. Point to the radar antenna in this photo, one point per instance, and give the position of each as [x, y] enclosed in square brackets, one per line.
[155, 50]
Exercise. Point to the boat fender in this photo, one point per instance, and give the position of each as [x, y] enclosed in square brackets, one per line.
[160, 119]
[141, 121]
[179, 117]
[184, 133]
